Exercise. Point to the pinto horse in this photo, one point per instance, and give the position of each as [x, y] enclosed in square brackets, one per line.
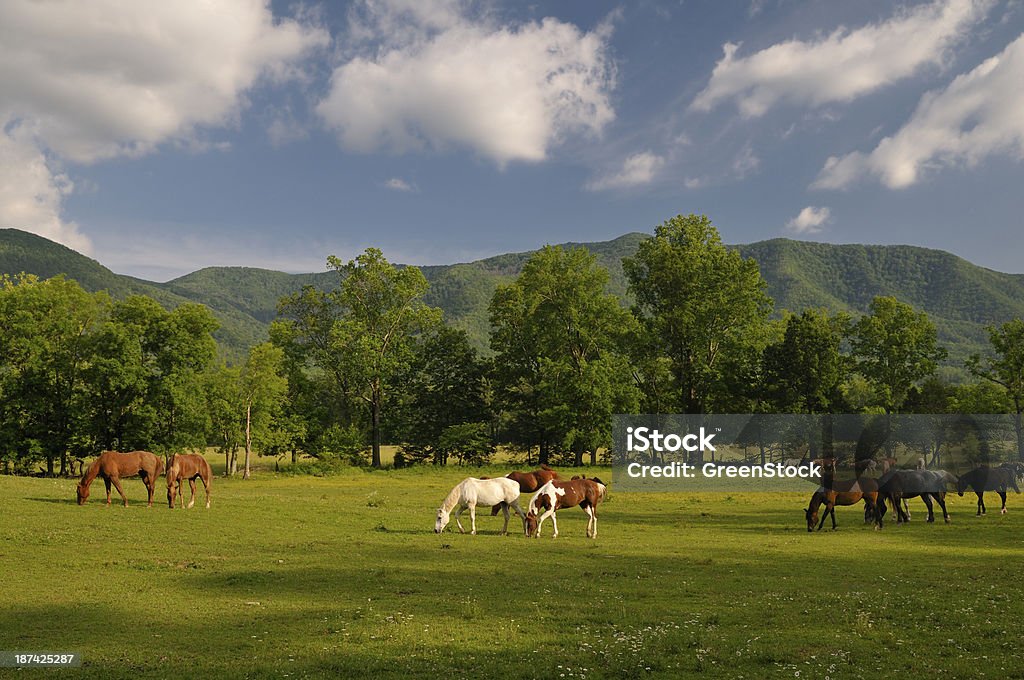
[112, 466]
[529, 481]
[472, 492]
[188, 466]
[844, 493]
[984, 478]
[557, 494]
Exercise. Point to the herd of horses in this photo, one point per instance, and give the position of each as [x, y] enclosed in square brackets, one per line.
[894, 486]
[113, 466]
[551, 493]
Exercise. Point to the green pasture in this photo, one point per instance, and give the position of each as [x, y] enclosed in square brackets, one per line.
[296, 576]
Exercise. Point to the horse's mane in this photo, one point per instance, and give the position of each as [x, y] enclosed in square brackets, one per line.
[91, 472]
[544, 466]
[452, 499]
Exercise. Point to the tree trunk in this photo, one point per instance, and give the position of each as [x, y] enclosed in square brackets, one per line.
[1019, 427]
[375, 415]
[295, 456]
[593, 456]
[542, 454]
[49, 465]
[246, 473]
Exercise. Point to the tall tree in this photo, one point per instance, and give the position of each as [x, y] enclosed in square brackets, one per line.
[804, 371]
[699, 303]
[361, 333]
[895, 348]
[1006, 368]
[560, 341]
[263, 387]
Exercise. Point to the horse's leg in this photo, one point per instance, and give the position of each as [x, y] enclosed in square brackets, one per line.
[106, 482]
[472, 518]
[540, 521]
[192, 488]
[554, 523]
[942, 504]
[824, 516]
[981, 502]
[927, 498]
[151, 488]
[116, 481]
[504, 510]
[1002, 496]
[206, 486]
[462, 508]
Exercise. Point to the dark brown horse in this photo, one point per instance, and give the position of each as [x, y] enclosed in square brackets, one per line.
[188, 466]
[984, 478]
[529, 481]
[112, 466]
[843, 492]
[557, 494]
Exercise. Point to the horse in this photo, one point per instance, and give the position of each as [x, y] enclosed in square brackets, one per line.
[844, 493]
[188, 466]
[984, 478]
[472, 492]
[898, 485]
[112, 466]
[529, 481]
[1016, 467]
[557, 494]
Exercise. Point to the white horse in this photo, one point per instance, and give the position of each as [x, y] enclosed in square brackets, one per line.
[472, 492]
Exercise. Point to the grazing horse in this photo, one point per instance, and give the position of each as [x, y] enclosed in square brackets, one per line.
[844, 492]
[472, 492]
[188, 466]
[529, 481]
[898, 485]
[984, 478]
[112, 466]
[556, 494]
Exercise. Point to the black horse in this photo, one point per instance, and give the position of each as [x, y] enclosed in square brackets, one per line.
[930, 485]
[984, 478]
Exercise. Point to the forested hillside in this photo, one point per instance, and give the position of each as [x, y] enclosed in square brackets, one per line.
[960, 297]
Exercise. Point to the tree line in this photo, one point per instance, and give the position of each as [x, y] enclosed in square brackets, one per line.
[368, 362]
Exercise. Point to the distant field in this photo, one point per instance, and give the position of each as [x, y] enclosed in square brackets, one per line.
[317, 577]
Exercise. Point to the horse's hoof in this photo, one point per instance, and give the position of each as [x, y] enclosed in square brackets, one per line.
[1003, 512]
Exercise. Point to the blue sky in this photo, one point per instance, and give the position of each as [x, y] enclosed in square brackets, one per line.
[160, 138]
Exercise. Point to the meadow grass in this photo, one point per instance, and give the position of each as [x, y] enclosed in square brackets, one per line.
[295, 576]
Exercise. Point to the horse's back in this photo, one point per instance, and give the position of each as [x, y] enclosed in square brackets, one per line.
[489, 491]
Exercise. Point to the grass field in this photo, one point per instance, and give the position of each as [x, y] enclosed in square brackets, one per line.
[343, 576]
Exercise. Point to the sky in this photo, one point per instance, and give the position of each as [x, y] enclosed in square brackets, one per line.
[160, 138]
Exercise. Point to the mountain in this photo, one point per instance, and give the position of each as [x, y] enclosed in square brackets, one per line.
[960, 297]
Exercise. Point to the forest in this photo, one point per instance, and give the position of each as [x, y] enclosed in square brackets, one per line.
[367, 360]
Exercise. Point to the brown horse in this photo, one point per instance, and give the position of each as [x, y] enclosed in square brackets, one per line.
[558, 494]
[843, 492]
[529, 481]
[112, 466]
[188, 466]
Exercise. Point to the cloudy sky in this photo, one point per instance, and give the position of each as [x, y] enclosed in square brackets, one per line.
[163, 137]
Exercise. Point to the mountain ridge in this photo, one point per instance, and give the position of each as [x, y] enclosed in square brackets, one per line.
[959, 296]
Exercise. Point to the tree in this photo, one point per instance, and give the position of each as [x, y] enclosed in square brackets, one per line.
[1006, 368]
[699, 304]
[804, 371]
[45, 329]
[263, 387]
[895, 348]
[360, 334]
[560, 339]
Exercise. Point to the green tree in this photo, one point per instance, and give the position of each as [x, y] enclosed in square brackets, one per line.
[700, 304]
[1006, 368]
[263, 388]
[804, 371]
[895, 348]
[360, 334]
[560, 341]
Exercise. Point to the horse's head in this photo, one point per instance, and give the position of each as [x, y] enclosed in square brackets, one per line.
[530, 522]
[812, 518]
[83, 493]
[443, 517]
[171, 491]
[961, 485]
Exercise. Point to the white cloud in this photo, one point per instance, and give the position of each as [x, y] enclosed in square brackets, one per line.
[399, 184]
[31, 193]
[444, 79]
[640, 168]
[90, 81]
[844, 64]
[745, 163]
[977, 115]
[810, 220]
